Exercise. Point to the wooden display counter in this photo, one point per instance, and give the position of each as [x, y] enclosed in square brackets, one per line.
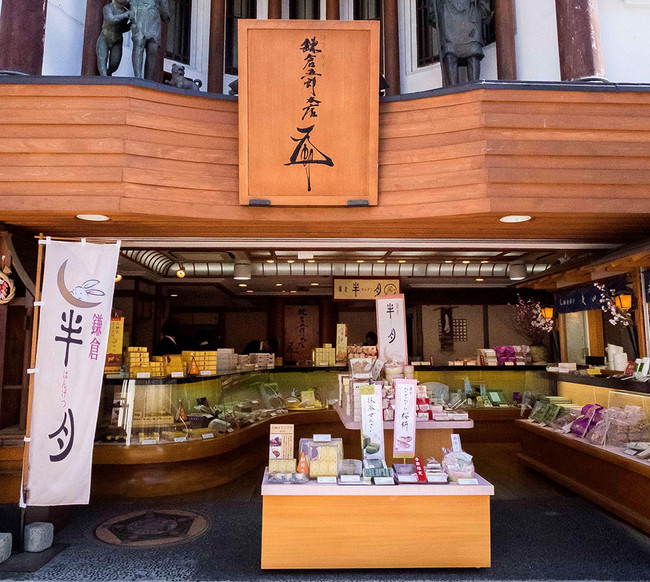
[605, 475]
[376, 526]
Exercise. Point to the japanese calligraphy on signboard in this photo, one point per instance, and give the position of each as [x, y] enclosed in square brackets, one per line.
[308, 112]
[75, 318]
[372, 422]
[404, 430]
[351, 289]
[391, 329]
[300, 332]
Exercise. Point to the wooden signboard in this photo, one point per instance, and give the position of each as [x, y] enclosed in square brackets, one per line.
[355, 288]
[308, 112]
[300, 331]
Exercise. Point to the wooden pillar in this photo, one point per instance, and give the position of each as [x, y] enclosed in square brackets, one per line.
[22, 35]
[637, 284]
[332, 10]
[4, 310]
[391, 47]
[504, 15]
[216, 54]
[275, 9]
[578, 34]
[94, 21]
[328, 314]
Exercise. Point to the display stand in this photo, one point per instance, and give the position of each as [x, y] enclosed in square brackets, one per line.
[374, 526]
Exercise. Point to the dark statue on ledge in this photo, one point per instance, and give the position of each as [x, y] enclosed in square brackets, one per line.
[460, 32]
[146, 30]
[109, 43]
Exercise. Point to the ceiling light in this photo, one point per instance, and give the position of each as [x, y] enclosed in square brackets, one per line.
[314, 284]
[311, 260]
[180, 273]
[517, 271]
[243, 285]
[360, 261]
[381, 261]
[294, 291]
[479, 280]
[401, 261]
[249, 290]
[291, 261]
[278, 284]
[270, 261]
[449, 262]
[118, 277]
[484, 262]
[466, 262]
[173, 294]
[547, 312]
[93, 217]
[512, 218]
[242, 270]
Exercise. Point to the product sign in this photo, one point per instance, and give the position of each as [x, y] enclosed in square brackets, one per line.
[75, 318]
[114, 346]
[308, 112]
[341, 342]
[357, 289]
[301, 330]
[372, 422]
[405, 415]
[391, 329]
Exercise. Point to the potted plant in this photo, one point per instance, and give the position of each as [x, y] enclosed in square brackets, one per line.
[529, 321]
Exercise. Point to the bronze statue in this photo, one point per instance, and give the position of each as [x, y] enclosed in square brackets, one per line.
[460, 33]
[146, 31]
[109, 43]
[181, 81]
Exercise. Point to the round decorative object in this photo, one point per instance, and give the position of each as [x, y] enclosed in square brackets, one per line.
[152, 528]
[7, 286]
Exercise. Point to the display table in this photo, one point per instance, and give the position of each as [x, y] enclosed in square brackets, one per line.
[605, 475]
[376, 526]
[431, 438]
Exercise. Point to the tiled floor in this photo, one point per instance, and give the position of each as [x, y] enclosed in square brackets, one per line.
[540, 531]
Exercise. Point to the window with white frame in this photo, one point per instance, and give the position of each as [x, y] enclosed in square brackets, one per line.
[304, 9]
[179, 31]
[367, 9]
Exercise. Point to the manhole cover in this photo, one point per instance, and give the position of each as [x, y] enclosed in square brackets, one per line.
[152, 528]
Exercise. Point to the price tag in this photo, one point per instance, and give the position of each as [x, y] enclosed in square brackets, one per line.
[327, 480]
[274, 413]
[437, 478]
[149, 442]
[180, 439]
[455, 443]
[376, 369]
[230, 430]
[383, 481]
[407, 478]
[468, 481]
[322, 438]
[143, 375]
[178, 375]
[350, 479]
[207, 435]
[206, 373]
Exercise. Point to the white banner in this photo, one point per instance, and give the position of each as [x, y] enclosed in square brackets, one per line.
[372, 422]
[73, 334]
[404, 432]
[391, 329]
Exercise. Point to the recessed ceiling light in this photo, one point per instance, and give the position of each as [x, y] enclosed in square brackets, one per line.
[381, 261]
[249, 290]
[484, 262]
[291, 261]
[118, 277]
[180, 273]
[278, 284]
[311, 260]
[448, 262]
[294, 291]
[401, 261]
[173, 294]
[243, 285]
[511, 218]
[479, 279]
[466, 262]
[360, 261]
[314, 284]
[284, 290]
[270, 261]
[93, 217]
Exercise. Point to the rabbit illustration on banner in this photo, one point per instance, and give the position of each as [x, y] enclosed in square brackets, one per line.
[83, 292]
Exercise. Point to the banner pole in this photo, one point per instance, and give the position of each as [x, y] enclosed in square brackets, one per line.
[30, 393]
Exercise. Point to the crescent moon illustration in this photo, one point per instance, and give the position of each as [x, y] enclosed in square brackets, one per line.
[60, 281]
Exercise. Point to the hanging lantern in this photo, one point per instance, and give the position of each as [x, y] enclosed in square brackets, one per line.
[623, 301]
[547, 312]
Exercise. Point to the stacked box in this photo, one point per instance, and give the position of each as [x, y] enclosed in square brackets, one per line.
[486, 357]
[227, 360]
[136, 360]
[262, 360]
[157, 369]
[325, 356]
[173, 364]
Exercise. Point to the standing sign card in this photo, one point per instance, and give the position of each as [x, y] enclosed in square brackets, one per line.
[372, 422]
[391, 329]
[404, 433]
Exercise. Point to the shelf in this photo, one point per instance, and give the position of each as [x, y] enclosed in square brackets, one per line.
[604, 382]
[315, 488]
[389, 424]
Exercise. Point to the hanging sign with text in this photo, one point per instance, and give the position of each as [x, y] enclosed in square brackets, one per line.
[360, 288]
[372, 422]
[75, 319]
[308, 112]
[391, 329]
[300, 332]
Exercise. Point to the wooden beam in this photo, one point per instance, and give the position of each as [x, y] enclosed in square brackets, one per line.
[216, 50]
[22, 35]
[561, 328]
[578, 34]
[92, 29]
[504, 15]
[391, 47]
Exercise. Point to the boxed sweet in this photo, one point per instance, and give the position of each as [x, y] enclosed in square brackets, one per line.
[323, 458]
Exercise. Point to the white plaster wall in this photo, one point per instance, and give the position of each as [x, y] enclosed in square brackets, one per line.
[625, 35]
[536, 40]
[64, 37]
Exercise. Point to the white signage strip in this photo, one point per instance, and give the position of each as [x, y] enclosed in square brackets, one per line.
[405, 415]
[391, 329]
[77, 297]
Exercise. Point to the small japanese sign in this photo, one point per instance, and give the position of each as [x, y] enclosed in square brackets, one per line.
[372, 422]
[360, 288]
[391, 329]
[301, 330]
[404, 430]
